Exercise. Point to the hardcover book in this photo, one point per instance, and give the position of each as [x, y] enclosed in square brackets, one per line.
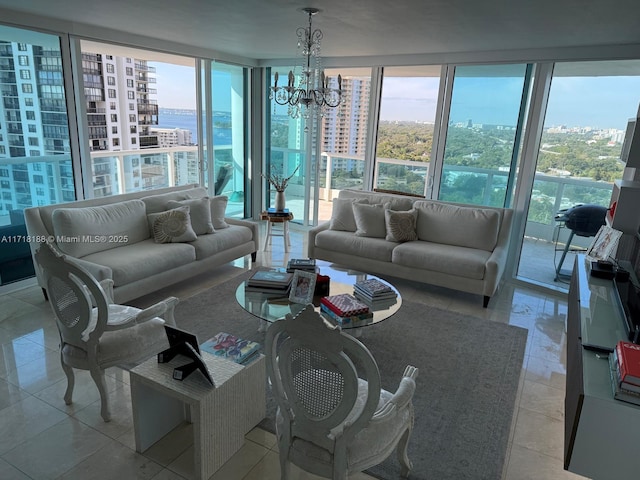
[270, 278]
[345, 304]
[373, 287]
[628, 355]
[378, 296]
[345, 320]
[619, 393]
[231, 347]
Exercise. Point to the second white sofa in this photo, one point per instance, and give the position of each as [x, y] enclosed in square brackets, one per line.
[462, 247]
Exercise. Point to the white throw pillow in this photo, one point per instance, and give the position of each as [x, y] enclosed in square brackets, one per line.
[200, 213]
[218, 211]
[369, 220]
[342, 214]
[401, 226]
[172, 226]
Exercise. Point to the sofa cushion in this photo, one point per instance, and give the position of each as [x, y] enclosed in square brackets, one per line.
[158, 203]
[94, 229]
[218, 211]
[172, 226]
[342, 214]
[234, 235]
[199, 212]
[437, 257]
[369, 220]
[401, 226]
[472, 227]
[396, 202]
[143, 259]
[347, 243]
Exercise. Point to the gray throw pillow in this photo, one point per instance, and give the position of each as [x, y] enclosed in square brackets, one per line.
[401, 226]
[342, 214]
[369, 220]
[218, 211]
[200, 213]
[172, 226]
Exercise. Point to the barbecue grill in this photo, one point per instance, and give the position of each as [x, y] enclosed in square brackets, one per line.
[583, 221]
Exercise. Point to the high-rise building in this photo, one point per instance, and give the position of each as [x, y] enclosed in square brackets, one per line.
[33, 125]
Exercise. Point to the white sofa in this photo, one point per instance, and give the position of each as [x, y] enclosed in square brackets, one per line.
[462, 247]
[114, 237]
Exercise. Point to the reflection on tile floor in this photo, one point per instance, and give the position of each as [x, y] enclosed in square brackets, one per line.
[42, 438]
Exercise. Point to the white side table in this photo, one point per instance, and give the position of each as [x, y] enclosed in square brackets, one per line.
[284, 233]
[221, 415]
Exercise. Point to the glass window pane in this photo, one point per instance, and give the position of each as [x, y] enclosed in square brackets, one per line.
[228, 96]
[153, 101]
[405, 131]
[35, 158]
[578, 161]
[483, 120]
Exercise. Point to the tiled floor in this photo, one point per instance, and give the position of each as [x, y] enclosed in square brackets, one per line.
[42, 438]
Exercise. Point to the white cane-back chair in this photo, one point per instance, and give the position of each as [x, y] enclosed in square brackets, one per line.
[95, 333]
[333, 417]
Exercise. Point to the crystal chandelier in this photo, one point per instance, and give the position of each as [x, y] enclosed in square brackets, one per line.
[313, 93]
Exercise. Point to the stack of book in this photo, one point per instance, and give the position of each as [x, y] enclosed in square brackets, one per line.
[232, 348]
[272, 281]
[345, 308]
[272, 212]
[374, 293]
[625, 372]
[304, 264]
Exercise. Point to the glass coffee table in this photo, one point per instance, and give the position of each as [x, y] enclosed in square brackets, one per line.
[270, 309]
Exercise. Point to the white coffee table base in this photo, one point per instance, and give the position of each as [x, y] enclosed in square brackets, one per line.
[221, 416]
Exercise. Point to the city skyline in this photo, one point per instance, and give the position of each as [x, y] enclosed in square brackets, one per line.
[596, 101]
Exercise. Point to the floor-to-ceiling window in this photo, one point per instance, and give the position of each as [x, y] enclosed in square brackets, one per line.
[578, 160]
[229, 134]
[408, 107]
[486, 110]
[140, 111]
[286, 152]
[35, 152]
[343, 139]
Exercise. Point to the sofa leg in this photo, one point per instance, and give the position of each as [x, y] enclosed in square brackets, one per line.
[254, 255]
[485, 302]
[44, 293]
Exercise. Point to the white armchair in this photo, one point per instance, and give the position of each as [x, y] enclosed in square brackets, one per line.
[95, 333]
[333, 417]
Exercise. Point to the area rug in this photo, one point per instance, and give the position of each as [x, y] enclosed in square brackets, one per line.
[466, 388]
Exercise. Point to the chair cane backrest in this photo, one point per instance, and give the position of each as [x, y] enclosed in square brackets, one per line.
[314, 368]
[72, 293]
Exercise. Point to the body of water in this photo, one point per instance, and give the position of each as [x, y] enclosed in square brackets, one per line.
[188, 120]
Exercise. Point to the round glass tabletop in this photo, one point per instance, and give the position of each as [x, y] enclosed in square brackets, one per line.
[270, 308]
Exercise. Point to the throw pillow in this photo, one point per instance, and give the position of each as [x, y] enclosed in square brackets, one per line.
[200, 213]
[218, 211]
[342, 214]
[401, 226]
[369, 220]
[172, 226]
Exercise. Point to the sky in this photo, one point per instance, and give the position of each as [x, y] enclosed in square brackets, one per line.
[600, 102]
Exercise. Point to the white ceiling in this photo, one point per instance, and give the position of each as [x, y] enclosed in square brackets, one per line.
[265, 29]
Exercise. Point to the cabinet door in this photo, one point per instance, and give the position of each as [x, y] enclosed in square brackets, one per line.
[574, 395]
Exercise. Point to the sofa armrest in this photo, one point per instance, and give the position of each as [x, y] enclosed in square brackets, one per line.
[497, 262]
[311, 238]
[255, 228]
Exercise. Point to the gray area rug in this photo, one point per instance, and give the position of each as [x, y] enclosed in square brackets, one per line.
[466, 389]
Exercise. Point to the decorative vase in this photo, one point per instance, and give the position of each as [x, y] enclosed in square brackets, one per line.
[280, 201]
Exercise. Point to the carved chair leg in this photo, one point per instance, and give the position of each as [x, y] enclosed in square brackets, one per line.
[98, 377]
[71, 380]
[285, 467]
